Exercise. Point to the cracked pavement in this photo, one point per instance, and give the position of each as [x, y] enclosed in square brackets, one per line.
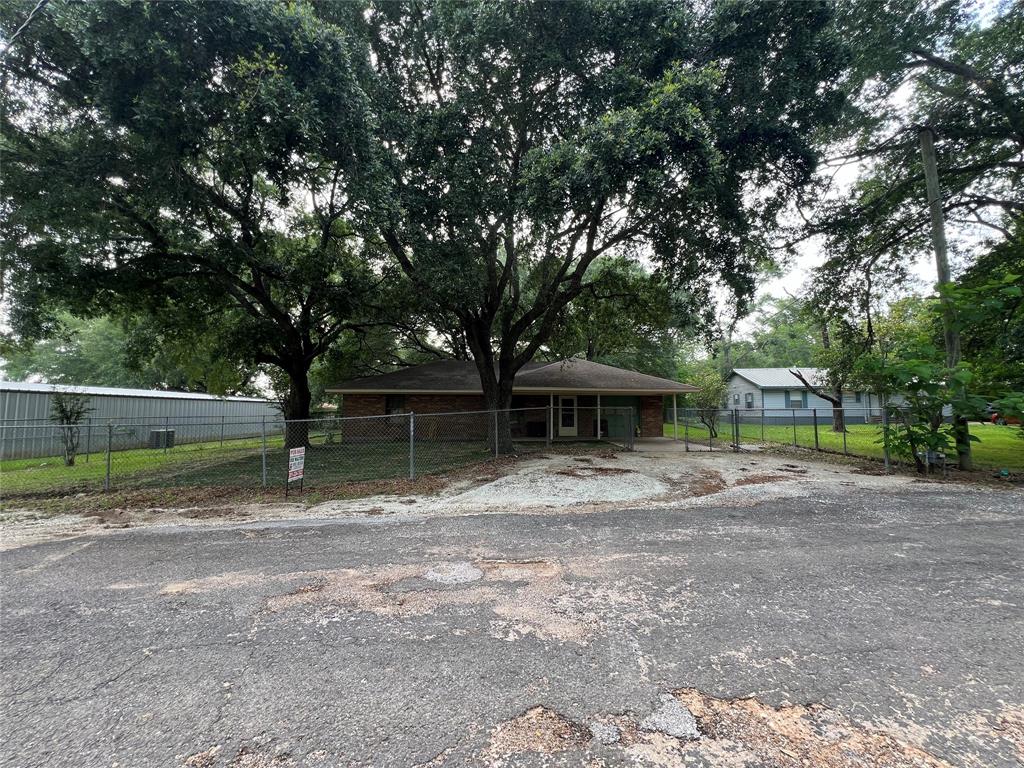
[852, 626]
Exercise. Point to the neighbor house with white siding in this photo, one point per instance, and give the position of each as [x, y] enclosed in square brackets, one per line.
[779, 388]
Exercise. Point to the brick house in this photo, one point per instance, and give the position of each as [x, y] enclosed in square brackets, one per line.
[571, 399]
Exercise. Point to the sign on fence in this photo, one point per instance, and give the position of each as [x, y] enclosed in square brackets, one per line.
[296, 464]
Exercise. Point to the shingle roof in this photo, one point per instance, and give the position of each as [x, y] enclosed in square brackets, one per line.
[777, 378]
[461, 376]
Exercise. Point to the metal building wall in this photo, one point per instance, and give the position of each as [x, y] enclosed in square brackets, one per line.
[27, 432]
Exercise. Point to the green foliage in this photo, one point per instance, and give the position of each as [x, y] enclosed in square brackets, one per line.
[625, 317]
[104, 352]
[784, 336]
[525, 141]
[194, 162]
[68, 411]
[925, 393]
[712, 395]
[963, 78]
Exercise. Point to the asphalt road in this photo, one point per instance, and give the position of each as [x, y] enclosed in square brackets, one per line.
[884, 628]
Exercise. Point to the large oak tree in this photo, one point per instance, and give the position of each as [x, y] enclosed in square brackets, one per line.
[524, 141]
[195, 161]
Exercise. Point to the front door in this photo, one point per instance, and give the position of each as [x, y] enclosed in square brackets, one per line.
[567, 416]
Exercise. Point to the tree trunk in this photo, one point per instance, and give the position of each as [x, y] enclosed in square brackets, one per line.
[950, 329]
[838, 418]
[498, 397]
[296, 409]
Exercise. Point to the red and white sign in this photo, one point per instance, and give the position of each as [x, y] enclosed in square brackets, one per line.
[296, 463]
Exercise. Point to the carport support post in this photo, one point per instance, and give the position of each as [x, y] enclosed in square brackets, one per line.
[675, 417]
[412, 445]
[110, 445]
[814, 417]
[263, 451]
[550, 425]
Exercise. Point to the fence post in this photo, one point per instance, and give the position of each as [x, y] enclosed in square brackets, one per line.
[88, 439]
[110, 442]
[495, 433]
[814, 418]
[412, 445]
[675, 417]
[686, 432]
[885, 438]
[263, 450]
[843, 412]
[551, 426]
[762, 424]
[711, 445]
[222, 418]
[735, 430]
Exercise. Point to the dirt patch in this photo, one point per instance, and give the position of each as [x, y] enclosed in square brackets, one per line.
[792, 468]
[205, 759]
[525, 597]
[708, 481]
[750, 731]
[761, 479]
[585, 472]
[537, 730]
[248, 758]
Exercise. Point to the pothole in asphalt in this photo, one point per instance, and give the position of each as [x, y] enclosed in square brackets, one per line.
[689, 724]
[537, 730]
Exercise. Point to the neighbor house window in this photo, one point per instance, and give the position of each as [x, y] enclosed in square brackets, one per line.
[857, 397]
[736, 398]
[749, 397]
[394, 404]
[796, 399]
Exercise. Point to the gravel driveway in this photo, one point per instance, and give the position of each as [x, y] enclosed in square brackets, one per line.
[848, 626]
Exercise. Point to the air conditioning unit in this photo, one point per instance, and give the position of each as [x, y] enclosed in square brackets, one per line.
[161, 438]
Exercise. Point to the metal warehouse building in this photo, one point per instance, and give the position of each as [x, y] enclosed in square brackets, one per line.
[26, 430]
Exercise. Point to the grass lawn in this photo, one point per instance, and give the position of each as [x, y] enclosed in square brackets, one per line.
[997, 447]
[239, 464]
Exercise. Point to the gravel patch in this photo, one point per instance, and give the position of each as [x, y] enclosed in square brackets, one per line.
[454, 573]
[604, 732]
[672, 719]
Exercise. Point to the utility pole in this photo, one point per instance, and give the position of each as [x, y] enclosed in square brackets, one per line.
[951, 333]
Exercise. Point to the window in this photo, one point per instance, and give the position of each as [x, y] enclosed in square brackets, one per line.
[736, 398]
[796, 399]
[394, 404]
[857, 397]
[749, 399]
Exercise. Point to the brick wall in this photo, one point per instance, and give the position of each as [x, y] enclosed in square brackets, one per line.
[444, 403]
[651, 416]
[362, 405]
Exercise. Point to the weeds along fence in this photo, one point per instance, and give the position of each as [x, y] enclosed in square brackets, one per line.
[257, 454]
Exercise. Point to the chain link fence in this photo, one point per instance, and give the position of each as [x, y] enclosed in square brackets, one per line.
[850, 431]
[51, 459]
